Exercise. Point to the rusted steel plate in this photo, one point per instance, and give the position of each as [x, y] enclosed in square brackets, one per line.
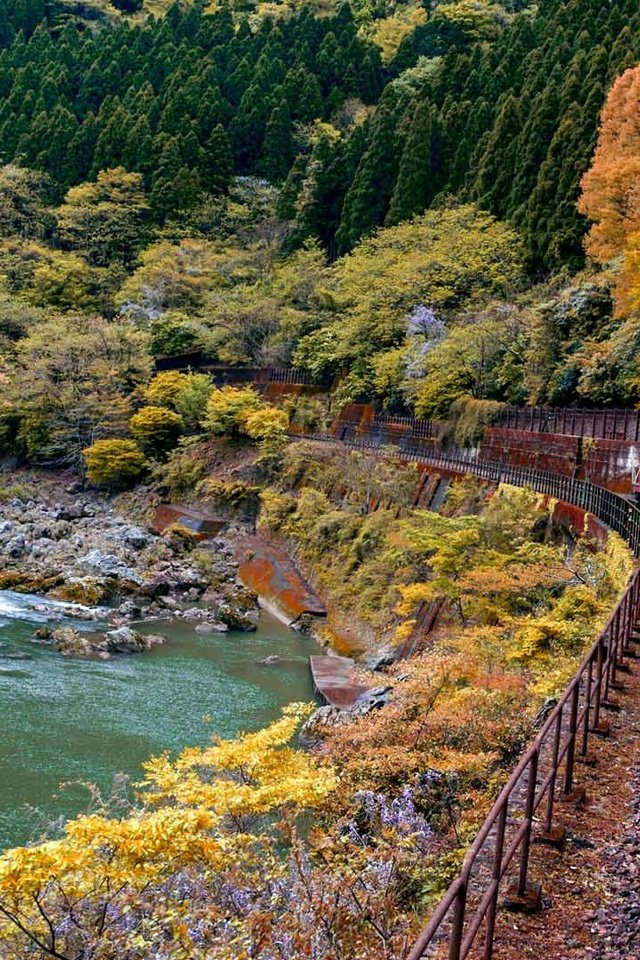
[267, 570]
[335, 678]
[198, 521]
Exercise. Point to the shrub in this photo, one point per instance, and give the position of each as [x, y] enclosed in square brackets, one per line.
[156, 429]
[164, 388]
[228, 408]
[306, 414]
[468, 417]
[269, 423]
[182, 472]
[269, 426]
[114, 463]
[233, 497]
[173, 333]
[191, 401]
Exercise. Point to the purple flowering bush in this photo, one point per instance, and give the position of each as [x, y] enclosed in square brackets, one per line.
[424, 332]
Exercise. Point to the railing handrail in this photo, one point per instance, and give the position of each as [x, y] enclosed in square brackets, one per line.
[565, 732]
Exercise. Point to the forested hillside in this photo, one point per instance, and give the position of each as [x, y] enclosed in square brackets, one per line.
[185, 100]
[395, 199]
[476, 101]
[510, 124]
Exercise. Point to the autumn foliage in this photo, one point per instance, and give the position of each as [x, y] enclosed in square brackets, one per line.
[114, 463]
[258, 847]
[611, 187]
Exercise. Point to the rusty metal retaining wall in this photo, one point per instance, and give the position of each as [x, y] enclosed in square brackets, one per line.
[614, 510]
[621, 425]
[600, 424]
[526, 809]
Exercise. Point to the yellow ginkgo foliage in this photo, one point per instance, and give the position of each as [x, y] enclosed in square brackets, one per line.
[254, 774]
[187, 816]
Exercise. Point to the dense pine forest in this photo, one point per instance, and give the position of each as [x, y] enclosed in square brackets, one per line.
[497, 105]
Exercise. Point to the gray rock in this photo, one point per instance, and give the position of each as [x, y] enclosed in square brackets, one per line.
[71, 643]
[372, 699]
[237, 619]
[169, 603]
[74, 511]
[75, 612]
[124, 640]
[17, 547]
[153, 640]
[109, 565]
[131, 535]
[379, 659]
[211, 626]
[321, 720]
[129, 609]
[75, 487]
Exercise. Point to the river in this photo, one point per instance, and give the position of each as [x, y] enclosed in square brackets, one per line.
[88, 720]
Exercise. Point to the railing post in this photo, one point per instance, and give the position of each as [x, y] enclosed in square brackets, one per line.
[554, 773]
[457, 925]
[598, 725]
[587, 711]
[496, 875]
[571, 748]
[526, 839]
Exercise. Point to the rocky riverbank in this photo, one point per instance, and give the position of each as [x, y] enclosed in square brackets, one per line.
[78, 549]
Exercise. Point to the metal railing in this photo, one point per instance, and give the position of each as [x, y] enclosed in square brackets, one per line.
[600, 424]
[526, 809]
[227, 373]
[415, 426]
[544, 776]
[614, 510]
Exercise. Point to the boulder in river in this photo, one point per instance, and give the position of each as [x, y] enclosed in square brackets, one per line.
[129, 609]
[211, 627]
[126, 640]
[87, 591]
[72, 643]
[237, 618]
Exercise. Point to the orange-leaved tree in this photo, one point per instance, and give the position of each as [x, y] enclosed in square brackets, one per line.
[611, 187]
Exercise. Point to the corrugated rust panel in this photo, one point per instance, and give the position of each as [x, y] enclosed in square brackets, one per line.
[541, 451]
[579, 523]
[356, 416]
[610, 464]
[606, 463]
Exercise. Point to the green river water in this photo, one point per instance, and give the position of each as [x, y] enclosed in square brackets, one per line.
[86, 720]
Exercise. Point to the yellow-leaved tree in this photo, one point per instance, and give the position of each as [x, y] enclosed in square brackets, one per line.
[193, 812]
[450, 258]
[610, 196]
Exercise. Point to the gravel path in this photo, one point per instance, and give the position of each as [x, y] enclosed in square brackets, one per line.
[591, 890]
[617, 925]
